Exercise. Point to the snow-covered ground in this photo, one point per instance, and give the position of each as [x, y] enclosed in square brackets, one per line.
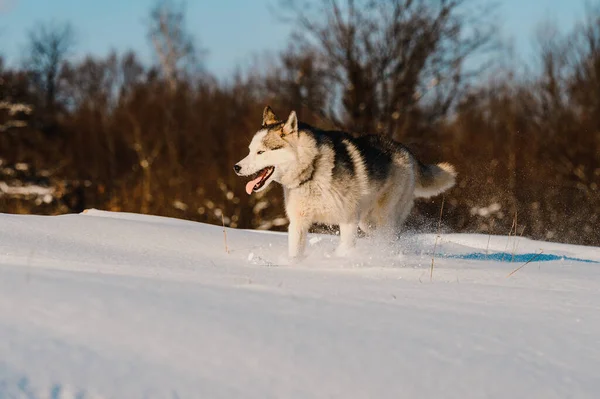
[107, 305]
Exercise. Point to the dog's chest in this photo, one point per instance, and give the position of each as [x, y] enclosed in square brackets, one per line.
[318, 205]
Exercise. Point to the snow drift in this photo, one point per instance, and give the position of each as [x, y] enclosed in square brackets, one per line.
[111, 305]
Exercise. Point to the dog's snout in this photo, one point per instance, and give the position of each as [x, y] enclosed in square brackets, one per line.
[237, 168]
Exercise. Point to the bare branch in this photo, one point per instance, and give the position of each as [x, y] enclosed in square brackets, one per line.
[49, 46]
[173, 45]
[385, 58]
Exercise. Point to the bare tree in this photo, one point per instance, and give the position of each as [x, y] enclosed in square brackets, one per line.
[49, 46]
[387, 58]
[297, 80]
[173, 45]
[584, 63]
[553, 53]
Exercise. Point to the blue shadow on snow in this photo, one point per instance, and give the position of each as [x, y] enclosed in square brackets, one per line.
[515, 258]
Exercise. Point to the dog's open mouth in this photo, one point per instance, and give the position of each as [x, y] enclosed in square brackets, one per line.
[259, 179]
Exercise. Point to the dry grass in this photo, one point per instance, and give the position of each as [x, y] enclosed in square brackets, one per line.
[436, 239]
[512, 255]
[516, 243]
[525, 264]
[487, 248]
[224, 234]
[513, 227]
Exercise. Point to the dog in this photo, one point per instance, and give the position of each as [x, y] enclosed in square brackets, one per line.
[333, 178]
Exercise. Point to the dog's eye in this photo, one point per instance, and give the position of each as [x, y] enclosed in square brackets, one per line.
[260, 152]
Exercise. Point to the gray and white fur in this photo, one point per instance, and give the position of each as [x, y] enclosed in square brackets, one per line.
[333, 178]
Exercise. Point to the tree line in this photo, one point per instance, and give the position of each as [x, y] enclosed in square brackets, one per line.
[115, 133]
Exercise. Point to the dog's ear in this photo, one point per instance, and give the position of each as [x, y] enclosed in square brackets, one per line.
[291, 125]
[269, 116]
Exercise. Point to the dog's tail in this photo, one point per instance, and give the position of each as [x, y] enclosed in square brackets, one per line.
[434, 179]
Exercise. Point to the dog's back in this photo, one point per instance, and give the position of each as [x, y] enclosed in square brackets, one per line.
[371, 175]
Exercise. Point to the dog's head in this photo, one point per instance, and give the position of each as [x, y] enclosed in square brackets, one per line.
[272, 151]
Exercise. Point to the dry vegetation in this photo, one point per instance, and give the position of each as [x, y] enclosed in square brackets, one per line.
[116, 134]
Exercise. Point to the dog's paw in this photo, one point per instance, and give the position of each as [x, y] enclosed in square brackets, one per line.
[296, 256]
[343, 252]
[296, 260]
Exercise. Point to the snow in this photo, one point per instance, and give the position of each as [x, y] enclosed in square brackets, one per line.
[114, 305]
[46, 193]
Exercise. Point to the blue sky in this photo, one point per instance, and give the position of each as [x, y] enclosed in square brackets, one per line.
[231, 30]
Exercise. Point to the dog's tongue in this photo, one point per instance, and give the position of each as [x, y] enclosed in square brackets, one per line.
[252, 183]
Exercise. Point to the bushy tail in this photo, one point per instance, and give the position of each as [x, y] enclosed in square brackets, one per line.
[434, 179]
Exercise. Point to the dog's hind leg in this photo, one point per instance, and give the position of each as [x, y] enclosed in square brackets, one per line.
[402, 210]
[383, 212]
[401, 207]
[366, 223]
[394, 204]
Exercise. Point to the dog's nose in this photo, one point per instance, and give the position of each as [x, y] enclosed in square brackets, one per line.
[237, 168]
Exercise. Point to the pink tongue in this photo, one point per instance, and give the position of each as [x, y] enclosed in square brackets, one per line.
[252, 183]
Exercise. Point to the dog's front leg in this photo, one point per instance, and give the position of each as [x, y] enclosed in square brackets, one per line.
[347, 238]
[297, 232]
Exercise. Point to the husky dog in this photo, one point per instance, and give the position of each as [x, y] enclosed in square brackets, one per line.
[333, 178]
